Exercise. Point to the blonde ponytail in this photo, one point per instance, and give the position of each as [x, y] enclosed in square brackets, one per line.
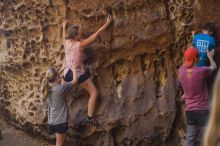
[51, 76]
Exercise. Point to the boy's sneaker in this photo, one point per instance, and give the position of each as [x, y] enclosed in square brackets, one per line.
[91, 121]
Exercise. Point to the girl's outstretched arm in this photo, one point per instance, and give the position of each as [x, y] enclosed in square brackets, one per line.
[86, 42]
[64, 29]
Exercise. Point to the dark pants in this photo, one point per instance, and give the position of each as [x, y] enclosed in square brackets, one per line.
[196, 122]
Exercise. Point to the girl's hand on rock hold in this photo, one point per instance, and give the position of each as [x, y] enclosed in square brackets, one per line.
[109, 19]
[65, 22]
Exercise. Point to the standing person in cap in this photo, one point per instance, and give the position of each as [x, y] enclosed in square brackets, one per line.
[192, 79]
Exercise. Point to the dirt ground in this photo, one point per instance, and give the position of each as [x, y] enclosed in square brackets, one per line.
[15, 137]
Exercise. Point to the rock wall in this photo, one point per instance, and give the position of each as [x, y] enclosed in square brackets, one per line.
[134, 71]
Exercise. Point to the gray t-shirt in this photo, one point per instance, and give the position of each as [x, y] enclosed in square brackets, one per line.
[57, 109]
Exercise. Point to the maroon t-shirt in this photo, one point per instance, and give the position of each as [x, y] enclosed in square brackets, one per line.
[193, 81]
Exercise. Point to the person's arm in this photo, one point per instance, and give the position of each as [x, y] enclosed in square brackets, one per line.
[86, 42]
[63, 67]
[67, 87]
[179, 89]
[64, 29]
[75, 78]
[61, 74]
[194, 43]
[44, 89]
[193, 33]
[210, 55]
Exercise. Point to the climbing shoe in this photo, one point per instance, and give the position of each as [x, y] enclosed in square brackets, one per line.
[91, 121]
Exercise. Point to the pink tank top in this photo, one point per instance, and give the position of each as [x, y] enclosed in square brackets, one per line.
[73, 55]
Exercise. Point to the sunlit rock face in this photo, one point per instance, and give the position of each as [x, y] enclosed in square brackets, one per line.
[135, 66]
